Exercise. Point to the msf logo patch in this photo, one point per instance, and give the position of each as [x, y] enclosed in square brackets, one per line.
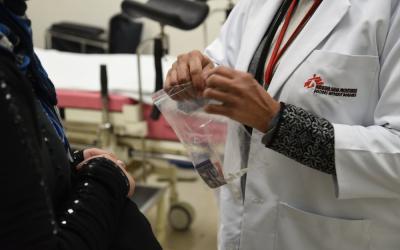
[317, 83]
[313, 82]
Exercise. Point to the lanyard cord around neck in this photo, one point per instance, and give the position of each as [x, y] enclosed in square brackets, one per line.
[278, 52]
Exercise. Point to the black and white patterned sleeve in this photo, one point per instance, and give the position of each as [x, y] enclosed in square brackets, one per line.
[305, 138]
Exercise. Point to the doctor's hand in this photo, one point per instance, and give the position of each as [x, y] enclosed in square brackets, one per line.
[188, 68]
[243, 98]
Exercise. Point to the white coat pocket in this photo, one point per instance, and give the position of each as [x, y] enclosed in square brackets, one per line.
[300, 230]
[336, 86]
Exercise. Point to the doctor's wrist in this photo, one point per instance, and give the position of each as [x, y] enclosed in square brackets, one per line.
[273, 125]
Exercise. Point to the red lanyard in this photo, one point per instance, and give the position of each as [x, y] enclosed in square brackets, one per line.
[277, 52]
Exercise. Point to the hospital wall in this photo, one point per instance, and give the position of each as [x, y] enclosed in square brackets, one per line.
[43, 13]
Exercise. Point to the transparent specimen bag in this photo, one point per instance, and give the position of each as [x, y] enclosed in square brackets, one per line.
[205, 136]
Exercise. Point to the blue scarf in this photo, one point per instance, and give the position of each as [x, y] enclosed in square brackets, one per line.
[16, 39]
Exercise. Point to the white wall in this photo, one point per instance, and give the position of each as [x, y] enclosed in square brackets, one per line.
[43, 13]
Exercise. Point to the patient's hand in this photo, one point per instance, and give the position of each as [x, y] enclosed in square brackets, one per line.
[91, 153]
[188, 68]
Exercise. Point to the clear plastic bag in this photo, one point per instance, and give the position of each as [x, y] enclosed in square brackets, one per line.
[203, 135]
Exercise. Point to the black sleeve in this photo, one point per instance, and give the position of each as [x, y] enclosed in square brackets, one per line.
[89, 217]
[77, 157]
[306, 138]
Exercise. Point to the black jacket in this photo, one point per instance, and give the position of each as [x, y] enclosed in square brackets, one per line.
[45, 203]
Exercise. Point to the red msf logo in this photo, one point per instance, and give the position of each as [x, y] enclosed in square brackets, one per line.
[313, 81]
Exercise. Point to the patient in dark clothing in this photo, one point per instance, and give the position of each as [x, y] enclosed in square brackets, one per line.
[47, 202]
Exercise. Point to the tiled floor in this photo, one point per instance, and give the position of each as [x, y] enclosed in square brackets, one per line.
[203, 233]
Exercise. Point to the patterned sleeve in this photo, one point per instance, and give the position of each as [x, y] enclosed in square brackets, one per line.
[305, 138]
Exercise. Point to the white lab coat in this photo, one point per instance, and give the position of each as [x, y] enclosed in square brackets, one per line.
[349, 44]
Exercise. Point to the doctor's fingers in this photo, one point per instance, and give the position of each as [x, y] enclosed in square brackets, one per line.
[189, 70]
[222, 71]
[173, 89]
[224, 97]
[177, 75]
[197, 66]
[170, 79]
[183, 73]
[222, 83]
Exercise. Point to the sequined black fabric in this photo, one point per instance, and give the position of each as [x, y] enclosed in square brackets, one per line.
[77, 157]
[46, 203]
[306, 138]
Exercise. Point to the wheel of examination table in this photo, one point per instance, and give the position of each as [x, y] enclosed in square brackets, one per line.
[181, 216]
